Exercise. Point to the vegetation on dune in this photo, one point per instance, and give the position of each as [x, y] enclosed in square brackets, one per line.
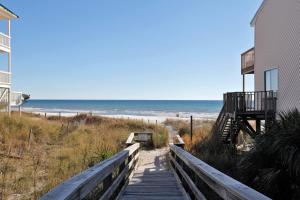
[201, 131]
[271, 167]
[36, 153]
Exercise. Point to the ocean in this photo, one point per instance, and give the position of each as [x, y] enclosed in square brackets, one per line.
[203, 109]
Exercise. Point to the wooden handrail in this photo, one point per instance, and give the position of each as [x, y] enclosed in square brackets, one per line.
[141, 137]
[103, 181]
[130, 139]
[196, 174]
[180, 143]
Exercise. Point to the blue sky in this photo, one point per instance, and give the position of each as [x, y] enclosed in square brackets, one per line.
[130, 49]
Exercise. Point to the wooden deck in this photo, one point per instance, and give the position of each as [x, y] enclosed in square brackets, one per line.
[153, 179]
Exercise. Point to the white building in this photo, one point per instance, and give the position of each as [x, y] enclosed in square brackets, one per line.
[275, 63]
[8, 98]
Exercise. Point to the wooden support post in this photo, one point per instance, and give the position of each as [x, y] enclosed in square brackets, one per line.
[258, 126]
[20, 111]
[45, 115]
[243, 82]
[59, 115]
[191, 129]
[9, 102]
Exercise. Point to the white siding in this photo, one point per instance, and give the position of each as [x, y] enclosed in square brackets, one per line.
[277, 45]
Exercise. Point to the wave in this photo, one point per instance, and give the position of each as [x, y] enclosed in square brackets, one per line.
[116, 112]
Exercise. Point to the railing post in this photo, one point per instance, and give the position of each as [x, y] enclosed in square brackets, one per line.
[191, 130]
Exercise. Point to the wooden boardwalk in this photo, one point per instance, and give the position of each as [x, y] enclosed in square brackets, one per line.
[153, 179]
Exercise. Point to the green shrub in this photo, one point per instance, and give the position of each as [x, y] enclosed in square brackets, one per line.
[273, 166]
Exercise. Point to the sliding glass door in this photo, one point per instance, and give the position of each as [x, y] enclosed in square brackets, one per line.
[271, 80]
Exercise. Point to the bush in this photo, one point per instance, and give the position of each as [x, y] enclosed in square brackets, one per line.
[160, 138]
[273, 166]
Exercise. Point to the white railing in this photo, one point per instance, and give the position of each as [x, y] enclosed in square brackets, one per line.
[5, 77]
[4, 40]
[16, 98]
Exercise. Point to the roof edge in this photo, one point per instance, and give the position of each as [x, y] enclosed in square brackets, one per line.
[9, 11]
[253, 21]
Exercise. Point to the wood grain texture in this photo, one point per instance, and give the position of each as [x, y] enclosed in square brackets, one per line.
[153, 179]
[225, 186]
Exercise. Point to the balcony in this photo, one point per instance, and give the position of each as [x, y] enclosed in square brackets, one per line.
[250, 102]
[247, 64]
[4, 42]
[5, 78]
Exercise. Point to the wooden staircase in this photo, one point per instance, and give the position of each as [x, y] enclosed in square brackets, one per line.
[238, 109]
[225, 127]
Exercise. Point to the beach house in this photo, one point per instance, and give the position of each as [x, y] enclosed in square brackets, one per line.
[8, 98]
[274, 61]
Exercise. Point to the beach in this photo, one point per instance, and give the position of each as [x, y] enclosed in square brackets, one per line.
[152, 111]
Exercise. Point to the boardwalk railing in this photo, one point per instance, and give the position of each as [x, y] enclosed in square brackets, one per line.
[241, 102]
[179, 141]
[202, 181]
[141, 137]
[103, 181]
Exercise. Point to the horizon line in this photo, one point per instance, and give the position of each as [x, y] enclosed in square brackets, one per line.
[128, 99]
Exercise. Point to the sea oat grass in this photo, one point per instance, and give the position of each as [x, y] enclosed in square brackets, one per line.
[37, 153]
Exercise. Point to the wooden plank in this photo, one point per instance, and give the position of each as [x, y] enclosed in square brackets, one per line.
[153, 180]
[180, 142]
[152, 197]
[223, 185]
[143, 136]
[130, 139]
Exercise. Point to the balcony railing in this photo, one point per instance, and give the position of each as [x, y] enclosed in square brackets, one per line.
[242, 102]
[16, 98]
[248, 59]
[5, 77]
[4, 40]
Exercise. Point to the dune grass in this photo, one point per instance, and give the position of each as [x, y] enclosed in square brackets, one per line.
[201, 130]
[36, 153]
[271, 167]
[206, 146]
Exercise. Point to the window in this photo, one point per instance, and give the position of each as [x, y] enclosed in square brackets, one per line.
[271, 80]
